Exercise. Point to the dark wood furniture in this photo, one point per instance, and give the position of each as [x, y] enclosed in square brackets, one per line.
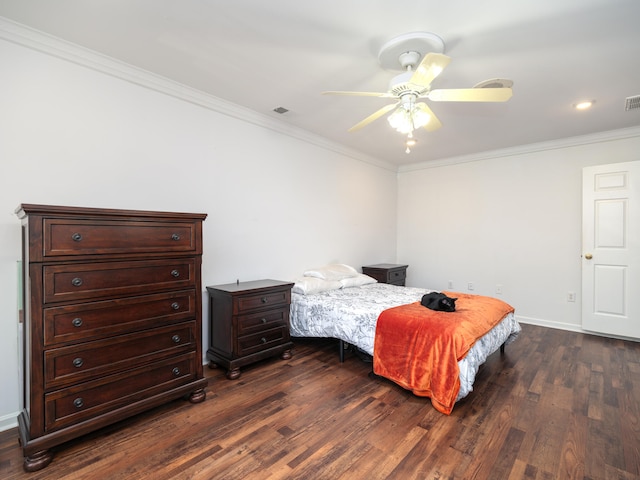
[249, 321]
[113, 319]
[387, 273]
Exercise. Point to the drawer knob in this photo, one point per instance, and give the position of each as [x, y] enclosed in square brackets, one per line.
[176, 371]
[78, 362]
[263, 340]
[175, 237]
[78, 402]
[176, 339]
[76, 322]
[76, 282]
[264, 320]
[175, 273]
[175, 305]
[76, 237]
[264, 299]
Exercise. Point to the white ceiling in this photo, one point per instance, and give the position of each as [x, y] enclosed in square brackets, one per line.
[265, 54]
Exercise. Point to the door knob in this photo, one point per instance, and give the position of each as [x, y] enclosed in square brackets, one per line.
[588, 256]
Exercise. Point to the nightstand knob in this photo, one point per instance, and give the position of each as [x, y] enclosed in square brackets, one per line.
[78, 402]
[175, 273]
[175, 305]
[76, 282]
[176, 371]
[263, 340]
[175, 237]
[78, 362]
[264, 299]
[76, 322]
[76, 237]
[176, 339]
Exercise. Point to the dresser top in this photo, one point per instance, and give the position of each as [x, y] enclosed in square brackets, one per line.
[57, 210]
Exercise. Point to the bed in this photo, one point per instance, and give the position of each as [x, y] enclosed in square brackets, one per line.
[348, 309]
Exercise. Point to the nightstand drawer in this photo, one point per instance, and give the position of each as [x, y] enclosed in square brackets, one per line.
[80, 322]
[263, 300]
[259, 322]
[95, 280]
[91, 360]
[249, 344]
[396, 276]
[64, 237]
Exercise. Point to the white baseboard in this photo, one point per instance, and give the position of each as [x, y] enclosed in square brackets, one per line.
[8, 422]
[568, 326]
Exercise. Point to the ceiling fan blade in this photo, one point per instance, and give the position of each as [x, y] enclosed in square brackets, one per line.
[470, 95]
[433, 123]
[431, 66]
[361, 94]
[372, 117]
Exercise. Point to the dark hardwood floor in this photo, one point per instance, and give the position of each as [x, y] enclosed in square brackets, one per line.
[556, 405]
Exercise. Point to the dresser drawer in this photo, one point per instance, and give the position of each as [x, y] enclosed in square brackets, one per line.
[258, 342]
[84, 401]
[94, 280]
[268, 299]
[63, 237]
[261, 321]
[95, 359]
[80, 322]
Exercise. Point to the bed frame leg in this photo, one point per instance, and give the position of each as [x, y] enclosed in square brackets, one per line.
[341, 343]
[502, 349]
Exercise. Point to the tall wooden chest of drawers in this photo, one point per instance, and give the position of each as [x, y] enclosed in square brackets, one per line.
[113, 319]
[249, 321]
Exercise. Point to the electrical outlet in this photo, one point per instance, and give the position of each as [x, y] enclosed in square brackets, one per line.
[470, 286]
[499, 289]
[571, 297]
[450, 284]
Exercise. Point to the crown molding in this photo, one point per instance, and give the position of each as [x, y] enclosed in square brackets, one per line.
[71, 52]
[526, 149]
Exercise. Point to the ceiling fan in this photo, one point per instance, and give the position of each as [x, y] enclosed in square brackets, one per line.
[420, 70]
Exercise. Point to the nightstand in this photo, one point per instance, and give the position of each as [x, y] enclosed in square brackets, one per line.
[249, 321]
[387, 273]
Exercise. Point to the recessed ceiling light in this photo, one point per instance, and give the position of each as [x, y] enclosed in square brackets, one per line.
[584, 105]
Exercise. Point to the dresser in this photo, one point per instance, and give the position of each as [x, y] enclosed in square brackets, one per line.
[249, 321]
[392, 273]
[113, 319]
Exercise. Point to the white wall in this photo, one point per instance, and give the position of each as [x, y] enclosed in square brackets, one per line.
[277, 204]
[512, 220]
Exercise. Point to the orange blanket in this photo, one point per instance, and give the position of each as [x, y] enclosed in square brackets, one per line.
[419, 348]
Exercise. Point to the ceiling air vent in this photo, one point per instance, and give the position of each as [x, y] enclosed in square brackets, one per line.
[631, 103]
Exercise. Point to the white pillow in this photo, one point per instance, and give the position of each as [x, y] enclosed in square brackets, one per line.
[309, 285]
[360, 279]
[336, 271]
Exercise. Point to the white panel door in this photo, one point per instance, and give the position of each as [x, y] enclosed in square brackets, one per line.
[611, 249]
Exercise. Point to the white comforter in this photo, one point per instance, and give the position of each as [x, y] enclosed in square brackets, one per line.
[350, 314]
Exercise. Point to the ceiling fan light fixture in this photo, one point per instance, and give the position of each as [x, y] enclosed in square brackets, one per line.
[408, 117]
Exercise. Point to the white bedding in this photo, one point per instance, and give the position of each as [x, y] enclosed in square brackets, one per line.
[350, 314]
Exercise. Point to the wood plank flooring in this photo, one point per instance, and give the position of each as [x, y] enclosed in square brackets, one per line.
[556, 405]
